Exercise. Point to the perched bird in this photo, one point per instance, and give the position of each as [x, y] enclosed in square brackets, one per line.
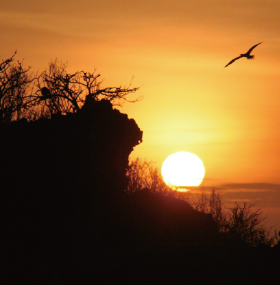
[247, 55]
[45, 93]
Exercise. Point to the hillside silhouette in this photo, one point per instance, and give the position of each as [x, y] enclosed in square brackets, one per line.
[66, 218]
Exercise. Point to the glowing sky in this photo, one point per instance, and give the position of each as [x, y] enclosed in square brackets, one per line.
[176, 50]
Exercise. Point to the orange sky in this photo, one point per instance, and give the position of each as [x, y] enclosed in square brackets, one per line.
[176, 50]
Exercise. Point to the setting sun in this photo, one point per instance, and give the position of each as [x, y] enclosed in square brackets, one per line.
[183, 169]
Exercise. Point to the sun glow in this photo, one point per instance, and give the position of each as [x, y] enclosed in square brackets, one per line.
[183, 169]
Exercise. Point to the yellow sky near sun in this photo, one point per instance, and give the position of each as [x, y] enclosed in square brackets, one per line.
[176, 50]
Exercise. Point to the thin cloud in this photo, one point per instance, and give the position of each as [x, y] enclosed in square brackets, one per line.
[251, 186]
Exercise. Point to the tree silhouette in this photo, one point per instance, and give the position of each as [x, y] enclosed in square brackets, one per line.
[15, 94]
[54, 91]
[62, 92]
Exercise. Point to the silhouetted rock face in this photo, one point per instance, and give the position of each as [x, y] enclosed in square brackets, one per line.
[54, 174]
[88, 150]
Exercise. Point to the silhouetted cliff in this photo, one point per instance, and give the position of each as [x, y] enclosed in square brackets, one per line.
[54, 173]
[85, 150]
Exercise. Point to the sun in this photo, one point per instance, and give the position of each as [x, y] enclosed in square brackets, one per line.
[183, 169]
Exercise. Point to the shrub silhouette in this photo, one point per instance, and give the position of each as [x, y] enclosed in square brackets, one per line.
[143, 174]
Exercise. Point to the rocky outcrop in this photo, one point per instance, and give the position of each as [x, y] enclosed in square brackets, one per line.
[88, 150]
[56, 176]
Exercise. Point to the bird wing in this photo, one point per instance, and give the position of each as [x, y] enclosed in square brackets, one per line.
[248, 52]
[232, 61]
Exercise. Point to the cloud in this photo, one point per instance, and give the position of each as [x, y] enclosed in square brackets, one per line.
[261, 194]
[257, 187]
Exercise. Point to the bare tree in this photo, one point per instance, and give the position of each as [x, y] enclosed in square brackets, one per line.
[56, 91]
[15, 90]
[62, 92]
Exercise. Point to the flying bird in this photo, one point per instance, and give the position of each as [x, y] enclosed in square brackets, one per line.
[247, 55]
